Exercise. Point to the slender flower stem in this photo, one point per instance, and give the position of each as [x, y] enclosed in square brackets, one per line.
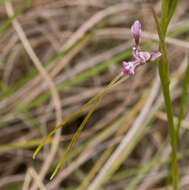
[75, 137]
[96, 103]
[91, 101]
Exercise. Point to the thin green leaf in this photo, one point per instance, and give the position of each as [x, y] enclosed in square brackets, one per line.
[183, 101]
[75, 114]
[164, 12]
[17, 12]
[112, 84]
[164, 76]
[173, 6]
[75, 137]
[179, 31]
[161, 36]
[82, 125]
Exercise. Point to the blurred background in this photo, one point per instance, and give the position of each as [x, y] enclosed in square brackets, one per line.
[57, 54]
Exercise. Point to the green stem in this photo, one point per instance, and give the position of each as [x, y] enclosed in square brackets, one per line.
[182, 102]
[74, 138]
[112, 84]
[91, 101]
[163, 67]
[172, 132]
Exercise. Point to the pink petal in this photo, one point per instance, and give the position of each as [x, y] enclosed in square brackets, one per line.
[136, 31]
[144, 56]
[124, 63]
[136, 52]
[154, 56]
[128, 68]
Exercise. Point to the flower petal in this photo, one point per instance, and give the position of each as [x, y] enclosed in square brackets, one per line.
[136, 52]
[144, 56]
[154, 56]
[141, 56]
[129, 68]
[136, 31]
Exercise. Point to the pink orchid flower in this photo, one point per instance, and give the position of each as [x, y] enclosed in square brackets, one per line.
[139, 57]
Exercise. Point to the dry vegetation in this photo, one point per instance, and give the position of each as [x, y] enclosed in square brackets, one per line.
[57, 54]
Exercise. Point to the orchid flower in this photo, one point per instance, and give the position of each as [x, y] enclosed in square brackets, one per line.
[139, 57]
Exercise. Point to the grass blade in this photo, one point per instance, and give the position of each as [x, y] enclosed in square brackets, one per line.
[164, 76]
[75, 137]
[173, 6]
[83, 124]
[17, 12]
[111, 85]
[182, 101]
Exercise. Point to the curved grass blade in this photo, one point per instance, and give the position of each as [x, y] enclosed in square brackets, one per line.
[75, 113]
[75, 137]
[183, 101]
[84, 122]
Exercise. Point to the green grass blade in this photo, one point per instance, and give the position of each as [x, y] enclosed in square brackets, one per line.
[84, 122]
[164, 11]
[75, 137]
[173, 6]
[17, 12]
[76, 113]
[182, 101]
[179, 31]
[164, 76]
